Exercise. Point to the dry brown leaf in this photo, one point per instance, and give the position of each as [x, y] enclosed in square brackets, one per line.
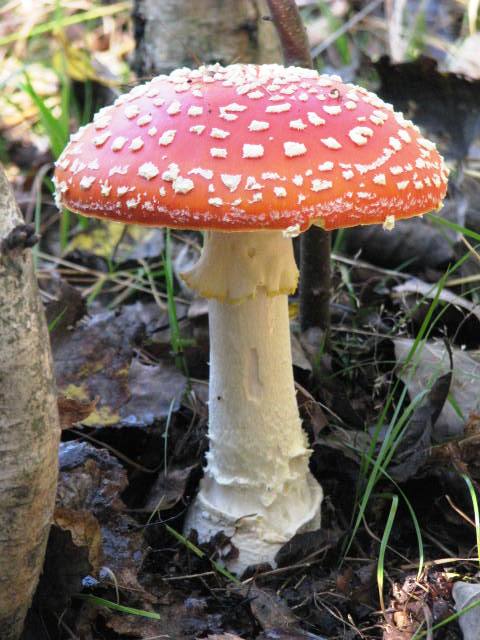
[97, 358]
[73, 411]
[85, 531]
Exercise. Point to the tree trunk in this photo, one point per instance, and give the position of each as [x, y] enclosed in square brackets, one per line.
[29, 425]
[178, 33]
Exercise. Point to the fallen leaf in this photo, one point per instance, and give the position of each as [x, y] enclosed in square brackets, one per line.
[92, 479]
[311, 410]
[155, 391]
[96, 360]
[305, 544]
[299, 357]
[413, 603]
[121, 243]
[433, 361]
[85, 531]
[267, 607]
[428, 290]
[132, 626]
[171, 626]
[67, 562]
[413, 450]
[168, 489]
[465, 594]
[73, 411]
[413, 243]
[64, 307]
[351, 442]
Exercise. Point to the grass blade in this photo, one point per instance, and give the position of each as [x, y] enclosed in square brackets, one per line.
[53, 127]
[454, 226]
[383, 548]
[201, 554]
[476, 513]
[421, 634]
[77, 18]
[102, 602]
[397, 422]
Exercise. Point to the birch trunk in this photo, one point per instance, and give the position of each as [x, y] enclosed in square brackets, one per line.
[179, 33]
[29, 426]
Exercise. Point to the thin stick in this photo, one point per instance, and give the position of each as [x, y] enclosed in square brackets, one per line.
[291, 31]
[315, 279]
[315, 276]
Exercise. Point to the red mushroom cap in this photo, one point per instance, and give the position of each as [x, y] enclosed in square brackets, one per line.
[250, 147]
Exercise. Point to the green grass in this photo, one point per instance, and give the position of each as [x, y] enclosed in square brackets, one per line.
[115, 606]
[473, 497]
[420, 633]
[376, 460]
[370, 474]
[58, 133]
[454, 226]
[383, 548]
[67, 21]
[374, 465]
[57, 129]
[177, 341]
[201, 554]
[413, 517]
[334, 23]
[165, 436]
[416, 40]
[54, 323]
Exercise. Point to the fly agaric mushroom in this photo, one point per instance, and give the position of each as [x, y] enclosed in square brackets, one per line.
[253, 155]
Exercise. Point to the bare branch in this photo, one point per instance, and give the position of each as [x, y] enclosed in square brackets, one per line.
[292, 33]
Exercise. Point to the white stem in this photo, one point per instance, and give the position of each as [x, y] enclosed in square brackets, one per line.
[257, 486]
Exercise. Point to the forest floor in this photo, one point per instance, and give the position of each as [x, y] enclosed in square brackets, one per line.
[391, 407]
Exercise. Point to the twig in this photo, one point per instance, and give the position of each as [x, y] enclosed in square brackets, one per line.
[315, 279]
[115, 452]
[461, 513]
[291, 31]
[314, 243]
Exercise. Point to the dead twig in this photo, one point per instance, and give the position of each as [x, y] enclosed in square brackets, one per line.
[315, 275]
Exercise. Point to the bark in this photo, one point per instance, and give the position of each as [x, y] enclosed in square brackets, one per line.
[177, 33]
[29, 426]
[315, 276]
[292, 32]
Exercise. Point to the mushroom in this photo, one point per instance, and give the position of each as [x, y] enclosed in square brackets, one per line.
[253, 155]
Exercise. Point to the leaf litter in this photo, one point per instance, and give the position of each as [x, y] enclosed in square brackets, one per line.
[134, 426]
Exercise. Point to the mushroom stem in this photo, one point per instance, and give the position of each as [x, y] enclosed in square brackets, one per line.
[257, 487]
